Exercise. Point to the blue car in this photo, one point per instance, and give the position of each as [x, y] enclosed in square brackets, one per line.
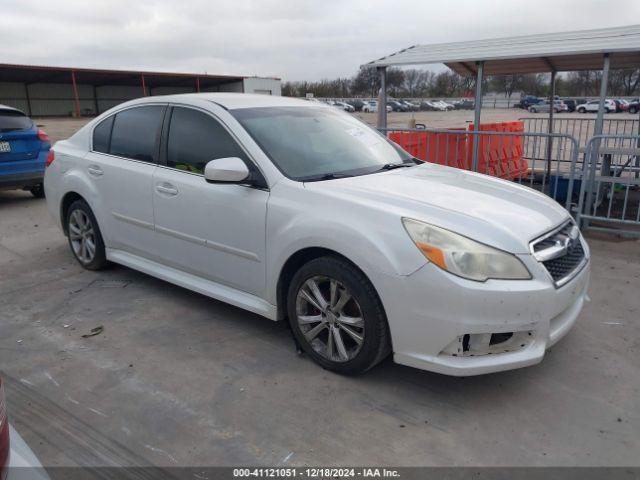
[24, 150]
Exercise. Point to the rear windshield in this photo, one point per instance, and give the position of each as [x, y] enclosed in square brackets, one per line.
[14, 120]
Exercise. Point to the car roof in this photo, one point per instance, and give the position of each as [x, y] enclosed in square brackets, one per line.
[7, 107]
[234, 101]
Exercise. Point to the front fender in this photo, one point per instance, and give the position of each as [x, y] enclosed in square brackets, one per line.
[293, 226]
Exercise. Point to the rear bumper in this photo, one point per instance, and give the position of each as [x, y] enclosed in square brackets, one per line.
[23, 173]
[20, 180]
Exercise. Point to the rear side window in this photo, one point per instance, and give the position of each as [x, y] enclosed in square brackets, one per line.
[102, 135]
[195, 138]
[14, 120]
[135, 132]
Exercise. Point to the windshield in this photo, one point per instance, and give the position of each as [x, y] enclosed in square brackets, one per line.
[315, 143]
[14, 120]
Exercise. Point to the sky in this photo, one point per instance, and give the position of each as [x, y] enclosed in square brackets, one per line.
[289, 39]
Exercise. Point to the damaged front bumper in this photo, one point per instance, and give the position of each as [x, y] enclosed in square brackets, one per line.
[450, 325]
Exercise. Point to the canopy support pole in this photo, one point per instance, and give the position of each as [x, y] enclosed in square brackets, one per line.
[382, 99]
[476, 116]
[595, 147]
[552, 100]
[76, 99]
[603, 95]
[28, 97]
[144, 86]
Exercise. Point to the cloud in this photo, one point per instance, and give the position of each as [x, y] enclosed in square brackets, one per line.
[292, 39]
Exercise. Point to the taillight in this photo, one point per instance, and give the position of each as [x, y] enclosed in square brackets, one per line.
[42, 135]
[51, 156]
[4, 432]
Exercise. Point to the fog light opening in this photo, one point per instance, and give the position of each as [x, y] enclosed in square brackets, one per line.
[497, 338]
[475, 344]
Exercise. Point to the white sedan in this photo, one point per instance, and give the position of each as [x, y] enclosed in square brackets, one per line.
[299, 211]
[592, 106]
[372, 107]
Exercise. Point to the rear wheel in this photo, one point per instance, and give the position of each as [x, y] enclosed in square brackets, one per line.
[633, 110]
[37, 190]
[337, 317]
[84, 235]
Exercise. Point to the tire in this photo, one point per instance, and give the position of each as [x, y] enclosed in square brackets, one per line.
[633, 110]
[533, 110]
[37, 190]
[82, 228]
[582, 110]
[363, 308]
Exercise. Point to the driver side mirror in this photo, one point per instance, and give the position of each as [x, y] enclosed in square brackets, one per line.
[226, 170]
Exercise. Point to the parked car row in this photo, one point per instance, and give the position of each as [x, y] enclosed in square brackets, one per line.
[535, 104]
[400, 105]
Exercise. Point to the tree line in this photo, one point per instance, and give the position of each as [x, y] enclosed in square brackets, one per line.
[416, 83]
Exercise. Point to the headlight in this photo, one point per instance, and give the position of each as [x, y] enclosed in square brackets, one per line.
[462, 256]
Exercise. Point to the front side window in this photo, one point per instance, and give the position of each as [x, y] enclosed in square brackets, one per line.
[195, 139]
[316, 143]
[135, 132]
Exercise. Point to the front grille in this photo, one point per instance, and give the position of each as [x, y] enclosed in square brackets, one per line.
[563, 266]
[561, 252]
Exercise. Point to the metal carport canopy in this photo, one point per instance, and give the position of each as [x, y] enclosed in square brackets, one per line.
[569, 51]
[605, 48]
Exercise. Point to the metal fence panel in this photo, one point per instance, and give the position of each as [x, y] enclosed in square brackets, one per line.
[582, 128]
[610, 196]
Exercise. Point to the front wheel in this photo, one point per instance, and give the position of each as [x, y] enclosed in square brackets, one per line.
[633, 110]
[581, 110]
[337, 317]
[84, 235]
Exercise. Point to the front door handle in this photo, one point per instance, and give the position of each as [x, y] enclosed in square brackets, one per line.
[167, 189]
[95, 170]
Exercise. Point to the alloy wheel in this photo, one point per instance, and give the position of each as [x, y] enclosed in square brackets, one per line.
[82, 236]
[330, 318]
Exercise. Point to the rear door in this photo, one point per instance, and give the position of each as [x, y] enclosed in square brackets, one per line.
[121, 164]
[19, 144]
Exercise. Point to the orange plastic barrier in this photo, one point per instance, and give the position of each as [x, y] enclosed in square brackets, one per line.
[448, 149]
[499, 156]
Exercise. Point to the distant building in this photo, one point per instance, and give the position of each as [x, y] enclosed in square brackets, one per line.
[63, 91]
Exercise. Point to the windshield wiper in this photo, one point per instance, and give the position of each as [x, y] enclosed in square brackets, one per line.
[392, 166]
[327, 176]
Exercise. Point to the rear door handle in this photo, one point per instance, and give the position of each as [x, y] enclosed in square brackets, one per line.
[167, 189]
[95, 170]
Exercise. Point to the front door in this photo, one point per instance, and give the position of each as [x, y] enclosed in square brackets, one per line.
[215, 231]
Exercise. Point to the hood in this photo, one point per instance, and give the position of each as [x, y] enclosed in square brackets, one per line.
[487, 209]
